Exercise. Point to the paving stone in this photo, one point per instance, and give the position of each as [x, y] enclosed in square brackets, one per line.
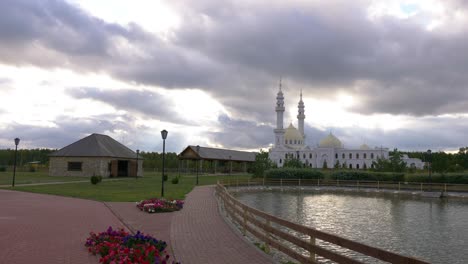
[199, 234]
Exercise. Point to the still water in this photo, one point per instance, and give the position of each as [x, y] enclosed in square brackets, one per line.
[432, 229]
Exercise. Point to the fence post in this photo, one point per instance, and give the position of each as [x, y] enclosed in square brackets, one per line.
[244, 226]
[421, 187]
[378, 185]
[337, 182]
[318, 182]
[281, 183]
[357, 183]
[445, 187]
[399, 186]
[248, 182]
[263, 181]
[313, 257]
[267, 235]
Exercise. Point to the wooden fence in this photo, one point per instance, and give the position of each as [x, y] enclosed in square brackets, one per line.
[397, 186]
[297, 241]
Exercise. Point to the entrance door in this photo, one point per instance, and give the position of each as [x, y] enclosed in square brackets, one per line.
[122, 168]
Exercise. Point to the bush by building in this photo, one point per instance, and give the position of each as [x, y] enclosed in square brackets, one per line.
[293, 173]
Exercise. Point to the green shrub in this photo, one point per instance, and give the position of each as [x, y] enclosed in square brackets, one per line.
[165, 177]
[293, 173]
[461, 178]
[96, 179]
[367, 176]
[2, 168]
[175, 180]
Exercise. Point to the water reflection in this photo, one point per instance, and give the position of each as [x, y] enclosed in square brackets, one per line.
[428, 228]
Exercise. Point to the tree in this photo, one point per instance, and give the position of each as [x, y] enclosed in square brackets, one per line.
[337, 165]
[261, 164]
[292, 163]
[393, 164]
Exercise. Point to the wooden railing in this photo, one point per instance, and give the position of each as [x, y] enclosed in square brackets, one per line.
[397, 186]
[296, 240]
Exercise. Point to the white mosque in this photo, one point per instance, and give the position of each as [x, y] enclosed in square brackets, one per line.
[330, 152]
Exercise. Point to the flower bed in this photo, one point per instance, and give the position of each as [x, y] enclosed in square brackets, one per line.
[157, 205]
[119, 247]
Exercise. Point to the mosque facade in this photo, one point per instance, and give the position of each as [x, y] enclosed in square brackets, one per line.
[329, 153]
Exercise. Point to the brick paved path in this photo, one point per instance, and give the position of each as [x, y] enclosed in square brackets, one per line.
[199, 234]
[37, 228]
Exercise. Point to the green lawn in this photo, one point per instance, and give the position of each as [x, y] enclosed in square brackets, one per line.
[128, 190]
[34, 177]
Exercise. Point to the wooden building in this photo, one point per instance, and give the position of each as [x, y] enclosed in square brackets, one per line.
[214, 160]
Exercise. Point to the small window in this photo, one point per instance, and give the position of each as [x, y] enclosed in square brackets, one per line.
[343, 156]
[372, 155]
[303, 155]
[310, 155]
[280, 161]
[74, 166]
[372, 165]
[286, 155]
[336, 155]
[357, 166]
[365, 166]
[365, 156]
[357, 156]
[350, 156]
[350, 166]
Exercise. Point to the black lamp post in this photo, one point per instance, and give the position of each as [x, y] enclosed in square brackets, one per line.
[17, 141]
[198, 160]
[136, 175]
[429, 165]
[164, 136]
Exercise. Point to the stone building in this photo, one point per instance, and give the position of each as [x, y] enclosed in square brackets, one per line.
[98, 155]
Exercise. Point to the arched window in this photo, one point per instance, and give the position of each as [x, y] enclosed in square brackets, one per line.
[343, 156]
[357, 166]
[310, 165]
[310, 155]
[336, 155]
[357, 156]
[280, 161]
[372, 155]
[286, 155]
[350, 166]
[365, 155]
[303, 155]
[365, 166]
[350, 156]
[372, 165]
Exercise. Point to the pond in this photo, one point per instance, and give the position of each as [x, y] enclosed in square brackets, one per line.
[431, 229]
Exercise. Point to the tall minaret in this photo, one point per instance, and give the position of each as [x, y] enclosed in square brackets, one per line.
[301, 116]
[279, 131]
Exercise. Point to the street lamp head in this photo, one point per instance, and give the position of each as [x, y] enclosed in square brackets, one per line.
[164, 134]
[198, 148]
[17, 140]
[429, 151]
[138, 151]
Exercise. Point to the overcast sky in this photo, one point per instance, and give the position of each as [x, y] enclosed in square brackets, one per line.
[381, 72]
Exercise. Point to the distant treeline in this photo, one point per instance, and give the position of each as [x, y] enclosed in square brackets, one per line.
[7, 156]
[152, 160]
[444, 162]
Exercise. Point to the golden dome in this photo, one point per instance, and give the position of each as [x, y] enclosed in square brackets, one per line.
[330, 142]
[292, 133]
[364, 147]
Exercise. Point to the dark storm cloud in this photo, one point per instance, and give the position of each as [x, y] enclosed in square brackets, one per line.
[242, 134]
[147, 103]
[335, 46]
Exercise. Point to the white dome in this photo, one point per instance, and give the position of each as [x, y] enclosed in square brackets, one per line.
[364, 147]
[293, 134]
[330, 142]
